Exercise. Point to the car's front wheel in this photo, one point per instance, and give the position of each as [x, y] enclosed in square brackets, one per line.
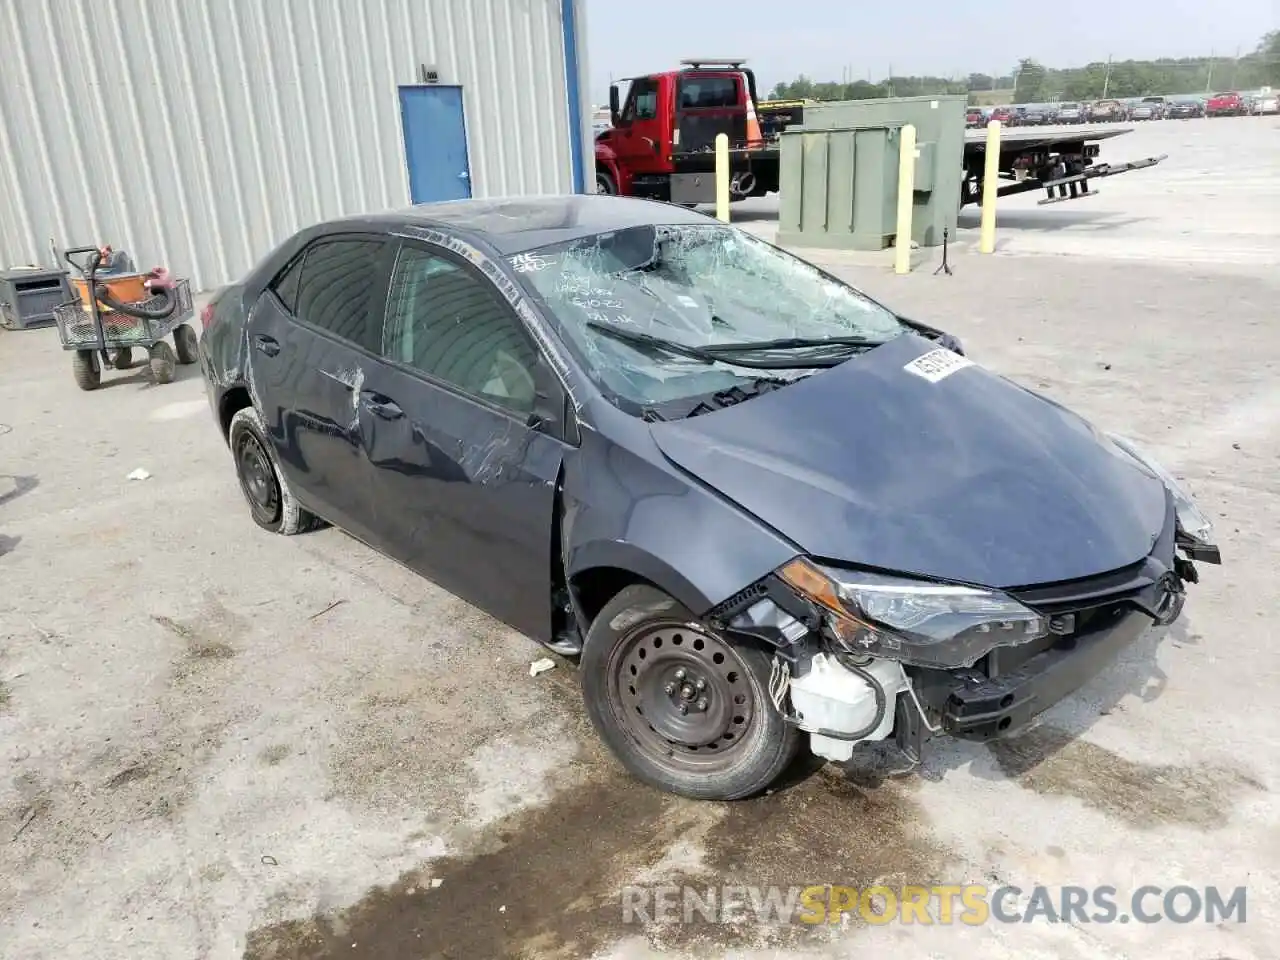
[271, 503]
[683, 708]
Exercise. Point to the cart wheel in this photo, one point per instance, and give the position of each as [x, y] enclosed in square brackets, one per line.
[184, 338]
[123, 358]
[163, 362]
[87, 372]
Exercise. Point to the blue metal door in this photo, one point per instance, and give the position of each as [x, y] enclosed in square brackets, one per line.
[435, 143]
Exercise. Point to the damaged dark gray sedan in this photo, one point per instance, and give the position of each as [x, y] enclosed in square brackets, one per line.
[760, 506]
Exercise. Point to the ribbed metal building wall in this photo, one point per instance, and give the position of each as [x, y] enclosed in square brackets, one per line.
[199, 133]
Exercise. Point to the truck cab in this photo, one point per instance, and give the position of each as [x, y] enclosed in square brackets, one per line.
[661, 144]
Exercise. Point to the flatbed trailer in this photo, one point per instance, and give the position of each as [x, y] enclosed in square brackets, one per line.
[1059, 163]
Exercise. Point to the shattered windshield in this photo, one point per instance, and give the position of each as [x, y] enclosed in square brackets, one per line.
[662, 313]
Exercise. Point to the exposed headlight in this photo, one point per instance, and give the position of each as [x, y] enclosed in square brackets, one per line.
[1190, 520]
[915, 621]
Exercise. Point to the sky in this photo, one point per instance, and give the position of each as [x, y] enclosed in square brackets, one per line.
[824, 39]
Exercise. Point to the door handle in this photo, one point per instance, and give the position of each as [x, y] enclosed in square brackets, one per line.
[268, 345]
[381, 406]
[464, 175]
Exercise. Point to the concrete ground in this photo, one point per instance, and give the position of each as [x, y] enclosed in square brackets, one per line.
[215, 743]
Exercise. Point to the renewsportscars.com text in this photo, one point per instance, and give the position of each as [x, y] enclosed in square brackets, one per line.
[970, 904]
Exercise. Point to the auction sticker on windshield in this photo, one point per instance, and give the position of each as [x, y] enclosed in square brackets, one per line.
[937, 364]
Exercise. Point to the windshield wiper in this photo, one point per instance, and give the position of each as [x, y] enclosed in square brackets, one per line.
[714, 354]
[641, 339]
[794, 343]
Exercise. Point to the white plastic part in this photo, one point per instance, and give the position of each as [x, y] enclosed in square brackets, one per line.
[541, 666]
[830, 697]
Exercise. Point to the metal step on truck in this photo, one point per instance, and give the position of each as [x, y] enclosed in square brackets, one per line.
[661, 142]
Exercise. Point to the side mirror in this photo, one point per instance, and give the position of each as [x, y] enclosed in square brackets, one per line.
[548, 413]
[615, 112]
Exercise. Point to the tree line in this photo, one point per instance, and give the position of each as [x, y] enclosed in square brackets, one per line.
[1032, 82]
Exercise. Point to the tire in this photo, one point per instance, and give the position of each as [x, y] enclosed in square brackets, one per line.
[84, 365]
[272, 504]
[605, 184]
[122, 358]
[643, 658]
[163, 362]
[184, 338]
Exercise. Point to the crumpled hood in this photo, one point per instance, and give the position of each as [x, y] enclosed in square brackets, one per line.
[967, 477]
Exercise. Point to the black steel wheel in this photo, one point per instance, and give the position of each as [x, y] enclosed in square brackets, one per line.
[184, 338]
[257, 476]
[682, 707]
[85, 367]
[271, 503]
[162, 361]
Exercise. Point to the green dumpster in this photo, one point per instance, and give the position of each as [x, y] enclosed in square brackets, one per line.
[839, 172]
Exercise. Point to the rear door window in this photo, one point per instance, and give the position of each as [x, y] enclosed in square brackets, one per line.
[702, 92]
[285, 285]
[339, 285]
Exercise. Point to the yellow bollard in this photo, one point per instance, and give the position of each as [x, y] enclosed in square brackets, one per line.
[990, 187]
[906, 198]
[722, 177]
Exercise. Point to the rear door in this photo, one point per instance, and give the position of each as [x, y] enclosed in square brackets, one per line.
[464, 485]
[313, 335]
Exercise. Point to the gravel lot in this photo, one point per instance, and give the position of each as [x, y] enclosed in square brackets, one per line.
[221, 744]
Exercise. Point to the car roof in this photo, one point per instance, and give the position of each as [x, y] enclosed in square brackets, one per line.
[516, 224]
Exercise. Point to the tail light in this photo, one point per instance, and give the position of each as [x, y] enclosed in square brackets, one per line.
[206, 316]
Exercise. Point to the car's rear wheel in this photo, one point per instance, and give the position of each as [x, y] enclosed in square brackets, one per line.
[271, 503]
[683, 708]
[605, 184]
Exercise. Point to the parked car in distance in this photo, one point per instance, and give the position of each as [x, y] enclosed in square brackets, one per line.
[1226, 105]
[1070, 113]
[1264, 104]
[974, 117]
[1148, 108]
[1185, 109]
[623, 428]
[1036, 116]
[1007, 116]
[1105, 111]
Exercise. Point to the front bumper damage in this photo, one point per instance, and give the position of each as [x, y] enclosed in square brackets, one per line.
[1091, 623]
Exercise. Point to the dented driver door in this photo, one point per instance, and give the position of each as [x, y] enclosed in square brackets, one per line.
[464, 488]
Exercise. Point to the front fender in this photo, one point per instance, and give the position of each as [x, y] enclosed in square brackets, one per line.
[627, 507]
[619, 555]
[606, 158]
